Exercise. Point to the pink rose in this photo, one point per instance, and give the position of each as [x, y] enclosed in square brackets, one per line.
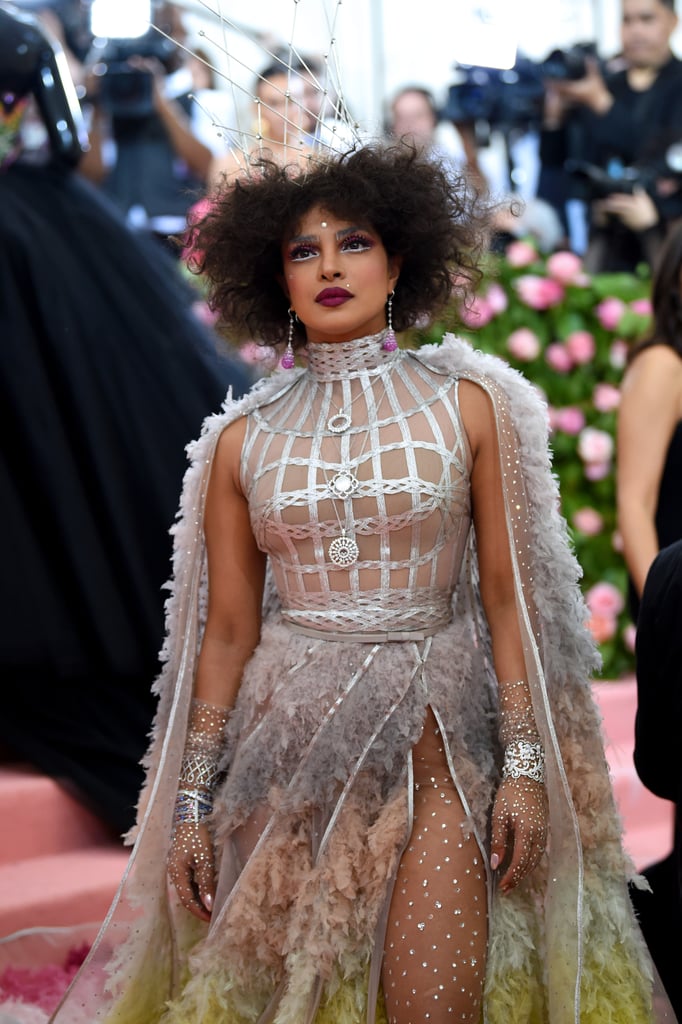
[191, 254]
[520, 254]
[606, 398]
[602, 628]
[617, 542]
[588, 521]
[254, 354]
[476, 313]
[605, 599]
[609, 312]
[642, 307]
[558, 357]
[581, 347]
[618, 354]
[497, 298]
[629, 637]
[564, 267]
[204, 314]
[524, 344]
[595, 446]
[539, 292]
[570, 420]
[597, 470]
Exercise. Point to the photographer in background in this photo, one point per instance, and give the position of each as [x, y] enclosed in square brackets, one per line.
[154, 162]
[618, 129]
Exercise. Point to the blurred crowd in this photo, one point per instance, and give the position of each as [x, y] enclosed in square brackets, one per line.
[592, 147]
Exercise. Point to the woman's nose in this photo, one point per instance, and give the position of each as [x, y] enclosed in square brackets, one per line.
[330, 266]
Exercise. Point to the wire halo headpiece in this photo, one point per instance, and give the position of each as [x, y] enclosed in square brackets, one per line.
[303, 115]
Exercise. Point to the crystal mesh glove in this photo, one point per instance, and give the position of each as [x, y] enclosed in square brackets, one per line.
[520, 811]
[191, 861]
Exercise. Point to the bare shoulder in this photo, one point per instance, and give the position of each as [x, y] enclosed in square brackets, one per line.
[227, 460]
[655, 365]
[477, 412]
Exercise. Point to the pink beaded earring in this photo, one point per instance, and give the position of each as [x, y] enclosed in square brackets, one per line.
[287, 361]
[390, 344]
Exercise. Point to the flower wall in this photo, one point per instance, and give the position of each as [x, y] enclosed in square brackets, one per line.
[569, 333]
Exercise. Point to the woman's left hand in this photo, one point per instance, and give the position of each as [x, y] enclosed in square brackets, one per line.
[519, 829]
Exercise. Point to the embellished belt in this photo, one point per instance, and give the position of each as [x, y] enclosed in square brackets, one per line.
[391, 636]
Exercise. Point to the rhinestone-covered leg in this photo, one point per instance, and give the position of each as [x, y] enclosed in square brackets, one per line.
[434, 957]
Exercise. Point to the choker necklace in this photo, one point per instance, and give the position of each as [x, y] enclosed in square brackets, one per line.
[348, 360]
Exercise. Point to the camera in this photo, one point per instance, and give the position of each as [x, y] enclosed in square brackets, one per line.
[74, 19]
[473, 96]
[502, 97]
[126, 91]
[514, 97]
[569, 65]
[601, 183]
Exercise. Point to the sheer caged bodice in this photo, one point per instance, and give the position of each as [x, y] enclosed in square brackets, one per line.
[368, 445]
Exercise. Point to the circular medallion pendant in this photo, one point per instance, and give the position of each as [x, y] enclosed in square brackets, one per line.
[337, 424]
[344, 484]
[343, 551]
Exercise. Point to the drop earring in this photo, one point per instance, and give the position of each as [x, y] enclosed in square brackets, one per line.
[390, 344]
[287, 361]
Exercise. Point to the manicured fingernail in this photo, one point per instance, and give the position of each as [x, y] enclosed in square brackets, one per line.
[494, 862]
[208, 901]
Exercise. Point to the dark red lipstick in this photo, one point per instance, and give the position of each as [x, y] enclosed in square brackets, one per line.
[333, 296]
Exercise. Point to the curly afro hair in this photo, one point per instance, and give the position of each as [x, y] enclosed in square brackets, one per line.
[434, 223]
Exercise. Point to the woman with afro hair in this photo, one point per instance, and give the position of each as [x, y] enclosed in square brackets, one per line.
[376, 781]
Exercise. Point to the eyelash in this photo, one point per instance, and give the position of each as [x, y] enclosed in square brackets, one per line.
[305, 252]
[365, 242]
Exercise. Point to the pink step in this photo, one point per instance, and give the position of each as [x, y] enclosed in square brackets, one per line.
[68, 888]
[44, 817]
[647, 820]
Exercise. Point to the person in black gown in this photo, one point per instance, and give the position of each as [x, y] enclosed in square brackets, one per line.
[106, 375]
[658, 727]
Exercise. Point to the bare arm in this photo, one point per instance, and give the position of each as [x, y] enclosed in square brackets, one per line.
[235, 583]
[650, 408]
[519, 816]
[236, 570]
[492, 541]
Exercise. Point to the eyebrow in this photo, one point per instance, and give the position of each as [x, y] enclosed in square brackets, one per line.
[315, 238]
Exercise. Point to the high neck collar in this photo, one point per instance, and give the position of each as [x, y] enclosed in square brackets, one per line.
[338, 359]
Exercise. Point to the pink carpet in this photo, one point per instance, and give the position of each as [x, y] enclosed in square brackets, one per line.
[41, 986]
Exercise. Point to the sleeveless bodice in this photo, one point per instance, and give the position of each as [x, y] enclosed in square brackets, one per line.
[368, 445]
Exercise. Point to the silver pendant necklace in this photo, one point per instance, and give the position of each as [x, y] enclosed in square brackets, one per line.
[343, 551]
[341, 420]
[339, 423]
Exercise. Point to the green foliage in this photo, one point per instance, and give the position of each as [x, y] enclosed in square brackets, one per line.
[568, 332]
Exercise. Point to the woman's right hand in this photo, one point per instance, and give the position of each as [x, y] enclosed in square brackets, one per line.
[191, 867]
